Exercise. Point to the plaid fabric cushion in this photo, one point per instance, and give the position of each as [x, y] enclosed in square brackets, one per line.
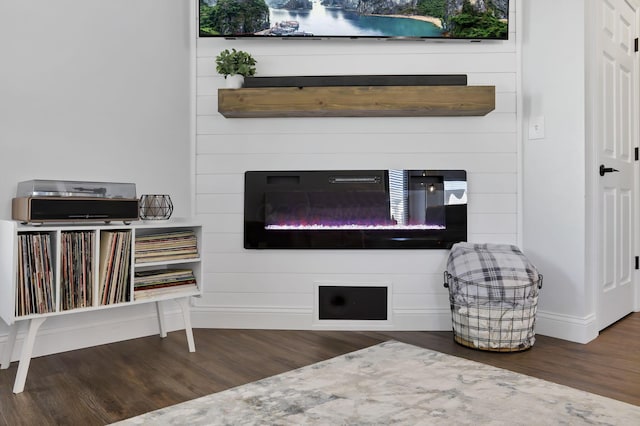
[483, 273]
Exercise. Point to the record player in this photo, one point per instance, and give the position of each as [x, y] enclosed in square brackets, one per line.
[38, 201]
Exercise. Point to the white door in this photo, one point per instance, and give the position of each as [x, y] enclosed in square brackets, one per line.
[616, 120]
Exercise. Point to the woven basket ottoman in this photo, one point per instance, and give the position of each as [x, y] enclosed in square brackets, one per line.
[493, 293]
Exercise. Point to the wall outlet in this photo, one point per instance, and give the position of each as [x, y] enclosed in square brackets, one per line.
[536, 127]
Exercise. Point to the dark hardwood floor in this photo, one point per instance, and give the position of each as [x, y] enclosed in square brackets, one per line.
[112, 382]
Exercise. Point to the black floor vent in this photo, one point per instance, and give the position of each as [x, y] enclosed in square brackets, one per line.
[352, 303]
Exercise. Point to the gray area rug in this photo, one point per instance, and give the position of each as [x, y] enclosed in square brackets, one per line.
[397, 383]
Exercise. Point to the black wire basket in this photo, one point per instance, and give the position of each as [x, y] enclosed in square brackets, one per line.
[493, 297]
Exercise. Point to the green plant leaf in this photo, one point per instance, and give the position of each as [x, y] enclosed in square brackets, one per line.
[235, 62]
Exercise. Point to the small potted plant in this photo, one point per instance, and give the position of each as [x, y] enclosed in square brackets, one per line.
[235, 65]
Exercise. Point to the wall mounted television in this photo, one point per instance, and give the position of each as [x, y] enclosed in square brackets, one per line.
[372, 19]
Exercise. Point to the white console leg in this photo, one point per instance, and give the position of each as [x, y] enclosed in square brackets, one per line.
[27, 352]
[163, 329]
[9, 345]
[186, 313]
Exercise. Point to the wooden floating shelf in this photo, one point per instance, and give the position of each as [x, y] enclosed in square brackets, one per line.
[356, 101]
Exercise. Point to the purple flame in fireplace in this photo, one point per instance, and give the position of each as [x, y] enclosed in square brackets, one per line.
[327, 210]
[344, 226]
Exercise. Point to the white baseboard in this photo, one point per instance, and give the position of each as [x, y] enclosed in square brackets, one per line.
[277, 318]
[422, 319]
[72, 332]
[574, 329]
[302, 319]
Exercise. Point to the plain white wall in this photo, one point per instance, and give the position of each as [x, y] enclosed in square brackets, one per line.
[101, 91]
[96, 90]
[554, 167]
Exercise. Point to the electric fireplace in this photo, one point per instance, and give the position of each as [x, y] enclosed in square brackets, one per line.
[355, 209]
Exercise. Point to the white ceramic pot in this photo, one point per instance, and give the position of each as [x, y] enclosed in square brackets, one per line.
[235, 81]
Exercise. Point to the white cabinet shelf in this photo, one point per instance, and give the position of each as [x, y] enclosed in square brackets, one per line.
[86, 268]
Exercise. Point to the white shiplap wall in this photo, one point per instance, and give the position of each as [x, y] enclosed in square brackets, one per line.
[275, 289]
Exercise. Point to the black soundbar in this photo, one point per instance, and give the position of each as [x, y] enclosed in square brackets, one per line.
[358, 80]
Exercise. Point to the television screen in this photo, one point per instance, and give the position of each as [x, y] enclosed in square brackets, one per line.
[422, 19]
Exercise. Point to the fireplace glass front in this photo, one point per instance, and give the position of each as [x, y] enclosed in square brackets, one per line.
[355, 209]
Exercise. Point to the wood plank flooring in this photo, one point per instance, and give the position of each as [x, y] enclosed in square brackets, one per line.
[112, 382]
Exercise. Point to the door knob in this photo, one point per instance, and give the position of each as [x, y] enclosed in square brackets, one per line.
[604, 170]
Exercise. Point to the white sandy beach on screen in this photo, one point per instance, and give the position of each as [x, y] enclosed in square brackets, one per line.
[435, 21]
